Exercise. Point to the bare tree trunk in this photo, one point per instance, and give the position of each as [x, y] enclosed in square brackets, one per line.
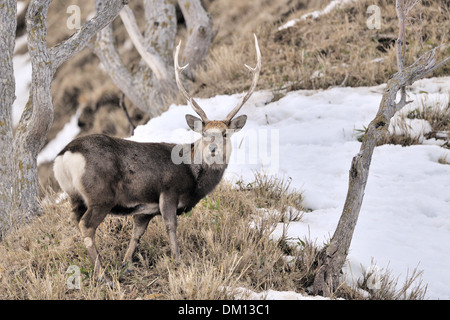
[159, 36]
[152, 82]
[151, 86]
[8, 23]
[332, 257]
[200, 33]
[19, 187]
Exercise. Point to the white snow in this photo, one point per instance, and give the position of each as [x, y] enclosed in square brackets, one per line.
[316, 14]
[67, 134]
[243, 293]
[22, 74]
[21, 5]
[310, 137]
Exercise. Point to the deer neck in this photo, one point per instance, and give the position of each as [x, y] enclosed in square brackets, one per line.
[207, 176]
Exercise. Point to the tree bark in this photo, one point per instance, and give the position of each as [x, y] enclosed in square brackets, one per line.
[159, 36]
[151, 86]
[19, 187]
[152, 82]
[332, 258]
[8, 24]
[200, 33]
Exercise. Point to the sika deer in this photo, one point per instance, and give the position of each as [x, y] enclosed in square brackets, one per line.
[105, 175]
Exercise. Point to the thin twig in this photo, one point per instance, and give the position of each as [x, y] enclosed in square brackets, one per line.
[123, 106]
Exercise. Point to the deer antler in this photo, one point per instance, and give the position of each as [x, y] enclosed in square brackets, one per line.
[178, 71]
[256, 70]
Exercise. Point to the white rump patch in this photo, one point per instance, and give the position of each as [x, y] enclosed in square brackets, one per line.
[69, 170]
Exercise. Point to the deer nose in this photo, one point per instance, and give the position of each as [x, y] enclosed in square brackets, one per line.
[212, 147]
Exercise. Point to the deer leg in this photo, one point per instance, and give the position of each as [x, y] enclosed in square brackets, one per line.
[168, 207]
[78, 209]
[88, 225]
[140, 223]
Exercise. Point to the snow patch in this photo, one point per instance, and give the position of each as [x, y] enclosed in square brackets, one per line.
[316, 14]
[405, 216]
[247, 294]
[67, 134]
[21, 6]
[22, 74]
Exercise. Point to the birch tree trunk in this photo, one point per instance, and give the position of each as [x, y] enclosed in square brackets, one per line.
[19, 186]
[151, 85]
[332, 257]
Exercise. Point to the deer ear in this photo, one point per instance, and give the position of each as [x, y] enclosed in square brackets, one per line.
[238, 123]
[196, 124]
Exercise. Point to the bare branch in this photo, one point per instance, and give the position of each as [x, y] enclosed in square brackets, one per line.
[424, 65]
[150, 56]
[68, 48]
[401, 33]
[124, 108]
[200, 32]
[409, 6]
[402, 101]
[143, 87]
[107, 53]
[403, 10]
[36, 20]
[437, 66]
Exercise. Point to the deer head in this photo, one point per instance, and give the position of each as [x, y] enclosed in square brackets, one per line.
[214, 146]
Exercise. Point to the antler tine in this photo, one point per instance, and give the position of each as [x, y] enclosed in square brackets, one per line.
[256, 70]
[178, 71]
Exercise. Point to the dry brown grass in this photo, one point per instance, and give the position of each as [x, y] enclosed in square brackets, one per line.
[443, 160]
[338, 46]
[225, 242]
[380, 284]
